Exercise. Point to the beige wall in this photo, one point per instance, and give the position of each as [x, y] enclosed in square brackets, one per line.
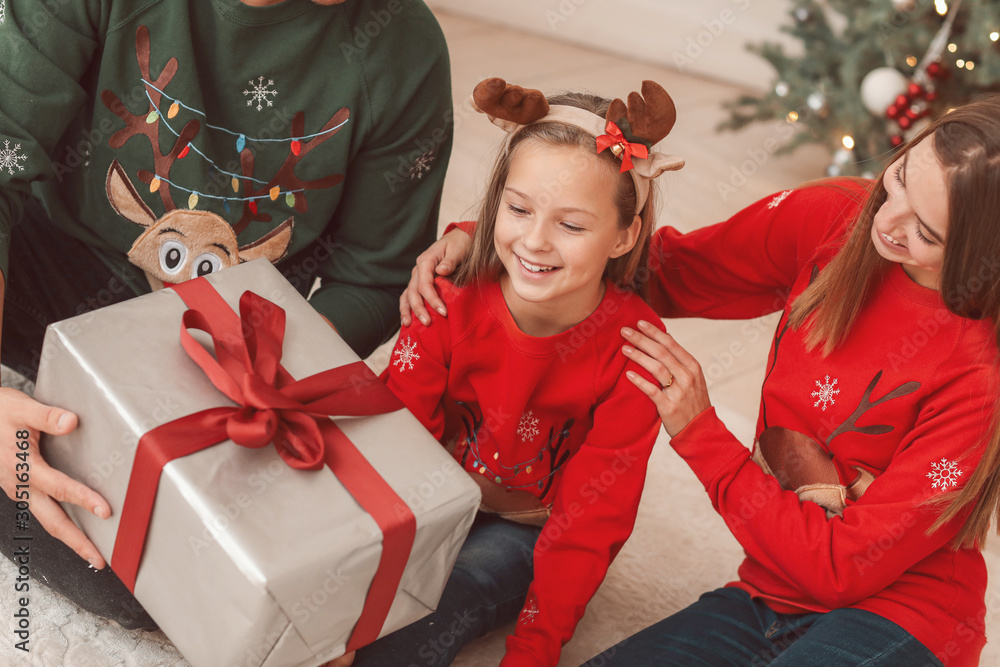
[701, 37]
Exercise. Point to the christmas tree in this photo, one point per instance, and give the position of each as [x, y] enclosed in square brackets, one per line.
[873, 73]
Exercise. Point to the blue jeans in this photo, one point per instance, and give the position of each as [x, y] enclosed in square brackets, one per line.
[726, 627]
[486, 589]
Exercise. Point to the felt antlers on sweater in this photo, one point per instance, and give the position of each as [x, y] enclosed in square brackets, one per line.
[628, 130]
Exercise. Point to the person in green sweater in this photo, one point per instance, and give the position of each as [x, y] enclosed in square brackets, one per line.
[143, 143]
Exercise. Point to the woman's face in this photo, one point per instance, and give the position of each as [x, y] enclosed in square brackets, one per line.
[911, 227]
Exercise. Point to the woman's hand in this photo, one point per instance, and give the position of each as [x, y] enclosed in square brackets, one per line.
[680, 394]
[22, 415]
[441, 259]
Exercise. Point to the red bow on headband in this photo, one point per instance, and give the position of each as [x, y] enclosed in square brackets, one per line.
[626, 149]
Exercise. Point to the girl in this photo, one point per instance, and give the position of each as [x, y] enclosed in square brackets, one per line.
[877, 444]
[524, 382]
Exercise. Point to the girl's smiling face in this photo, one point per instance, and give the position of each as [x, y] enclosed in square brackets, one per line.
[911, 226]
[556, 229]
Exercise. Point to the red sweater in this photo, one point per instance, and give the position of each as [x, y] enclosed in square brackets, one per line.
[906, 398]
[554, 416]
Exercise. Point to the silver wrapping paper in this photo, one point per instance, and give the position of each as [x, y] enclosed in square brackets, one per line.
[247, 561]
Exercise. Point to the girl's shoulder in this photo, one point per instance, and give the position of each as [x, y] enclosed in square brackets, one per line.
[467, 305]
[630, 306]
[619, 308]
[467, 298]
[448, 290]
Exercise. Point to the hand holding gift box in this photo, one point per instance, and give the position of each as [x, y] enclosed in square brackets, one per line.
[248, 558]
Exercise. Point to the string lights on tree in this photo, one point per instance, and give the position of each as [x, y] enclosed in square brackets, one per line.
[873, 73]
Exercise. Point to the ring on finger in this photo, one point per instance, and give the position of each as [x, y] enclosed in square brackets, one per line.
[669, 382]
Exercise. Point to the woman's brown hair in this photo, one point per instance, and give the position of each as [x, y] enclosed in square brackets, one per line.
[966, 142]
[483, 264]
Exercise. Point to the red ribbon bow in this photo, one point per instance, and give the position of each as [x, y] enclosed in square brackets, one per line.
[273, 407]
[614, 137]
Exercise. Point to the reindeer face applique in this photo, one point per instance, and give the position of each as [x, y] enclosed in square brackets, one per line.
[186, 244]
[801, 464]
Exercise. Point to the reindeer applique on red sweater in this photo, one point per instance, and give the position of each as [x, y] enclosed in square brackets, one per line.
[803, 465]
[182, 243]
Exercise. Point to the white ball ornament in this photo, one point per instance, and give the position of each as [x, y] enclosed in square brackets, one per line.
[881, 87]
[904, 5]
[816, 101]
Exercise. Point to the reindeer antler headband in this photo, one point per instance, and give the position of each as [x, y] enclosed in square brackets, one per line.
[630, 131]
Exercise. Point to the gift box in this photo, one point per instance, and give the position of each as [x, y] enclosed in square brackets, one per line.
[242, 554]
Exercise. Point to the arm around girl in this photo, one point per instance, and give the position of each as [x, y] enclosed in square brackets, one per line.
[877, 442]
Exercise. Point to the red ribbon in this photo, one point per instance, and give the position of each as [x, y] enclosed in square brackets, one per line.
[273, 408]
[614, 137]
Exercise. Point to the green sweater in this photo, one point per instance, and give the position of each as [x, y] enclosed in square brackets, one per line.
[317, 137]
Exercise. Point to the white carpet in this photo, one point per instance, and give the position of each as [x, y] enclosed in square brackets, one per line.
[680, 548]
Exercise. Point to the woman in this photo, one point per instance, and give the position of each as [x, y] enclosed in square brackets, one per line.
[877, 445]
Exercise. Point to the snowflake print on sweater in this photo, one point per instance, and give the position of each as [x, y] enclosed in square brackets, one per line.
[259, 91]
[406, 354]
[10, 157]
[825, 393]
[528, 613]
[528, 428]
[944, 474]
[422, 165]
[778, 199]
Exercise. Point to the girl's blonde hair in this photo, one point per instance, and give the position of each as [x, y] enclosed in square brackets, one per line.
[483, 263]
[967, 144]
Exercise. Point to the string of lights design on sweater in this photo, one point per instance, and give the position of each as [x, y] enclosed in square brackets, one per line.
[557, 457]
[241, 141]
